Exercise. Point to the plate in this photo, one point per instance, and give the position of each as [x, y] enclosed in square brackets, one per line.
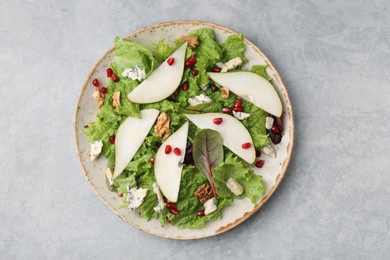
[273, 171]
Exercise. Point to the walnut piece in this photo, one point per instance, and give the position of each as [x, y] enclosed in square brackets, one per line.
[116, 101]
[224, 92]
[162, 126]
[99, 97]
[193, 41]
[204, 193]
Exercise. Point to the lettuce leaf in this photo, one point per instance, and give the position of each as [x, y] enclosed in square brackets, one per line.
[252, 183]
[163, 50]
[261, 70]
[256, 124]
[233, 47]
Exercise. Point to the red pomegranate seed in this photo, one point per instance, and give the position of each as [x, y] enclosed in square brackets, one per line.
[112, 139]
[189, 64]
[259, 163]
[109, 72]
[246, 145]
[169, 221]
[174, 211]
[275, 130]
[217, 120]
[168, 149]
[177, 151]
[237, 109]
[96, 83]
[214, 88]
[176, 92]
[194, 73]
[216, 69]
[170, 61]
[103, 90]
[152, 160]
[114, 77]
[226, 110]
[184, 86]
[171, 206]
[192, 59]
[238, 103]
[200, 213]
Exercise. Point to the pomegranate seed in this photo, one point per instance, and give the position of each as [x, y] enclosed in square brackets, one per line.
[158, 145]
[168, 149]
[194, 73]
[258, 153]
[114, 77]
[192, 59]
[184, 86]
[152, 160]
[226, 110]
[238, 103]
[217, 120]
[112, 139]
[170, 61]
[214, 88]
[189, 64]
[86, 126]
[176, 92]
[275, 129]
[171, 206]
[177, 151]
[169, 221]
[237, 109]
[200, 213]
[103, 90]
[246, 145]
[174, 211]
[109, 72]
[165, 199]
[95, 82]
[216, 69]
[259, 163]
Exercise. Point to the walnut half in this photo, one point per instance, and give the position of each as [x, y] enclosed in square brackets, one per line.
[193, 41]
[162, 126]
[99, 97]
[116, 99]
[204, 193]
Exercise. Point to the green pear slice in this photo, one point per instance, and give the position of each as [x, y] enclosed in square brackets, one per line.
[232, 131]
[162, 82]
[168, 167]
[130, 136]
[251, 87]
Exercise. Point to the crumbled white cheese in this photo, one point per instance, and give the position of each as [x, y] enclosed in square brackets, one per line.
[234, 186]
[135, 197]
[268, 150]
[210, 206]
[135, 73]
[96, 149]
[269, 122]
[233, 63]
[222, 66]
[199, 100]
[161, 204]
[110, 175]
[241, 115]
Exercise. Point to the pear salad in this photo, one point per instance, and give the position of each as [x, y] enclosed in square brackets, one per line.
[183, 126]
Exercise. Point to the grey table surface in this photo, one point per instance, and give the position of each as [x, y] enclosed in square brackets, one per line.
[334, 202]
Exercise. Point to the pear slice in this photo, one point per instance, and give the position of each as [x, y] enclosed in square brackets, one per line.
[168, 167]
[233, 133]
[162, 82]
[130, 136]
[251, 87]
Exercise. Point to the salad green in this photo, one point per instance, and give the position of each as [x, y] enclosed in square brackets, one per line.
[140, 171]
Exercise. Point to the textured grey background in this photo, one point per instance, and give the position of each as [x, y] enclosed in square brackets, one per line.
[334, 202]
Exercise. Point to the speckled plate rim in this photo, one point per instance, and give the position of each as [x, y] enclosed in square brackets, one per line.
[289, 111]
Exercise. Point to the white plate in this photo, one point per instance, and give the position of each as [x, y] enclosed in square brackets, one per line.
[272, 172]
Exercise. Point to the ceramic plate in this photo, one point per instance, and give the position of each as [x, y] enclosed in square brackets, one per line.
[272, 172]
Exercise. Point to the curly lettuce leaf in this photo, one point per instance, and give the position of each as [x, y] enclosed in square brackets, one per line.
[261, 70]
[233, 47]
[256, 124]
[162, 50]
[253, 184]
